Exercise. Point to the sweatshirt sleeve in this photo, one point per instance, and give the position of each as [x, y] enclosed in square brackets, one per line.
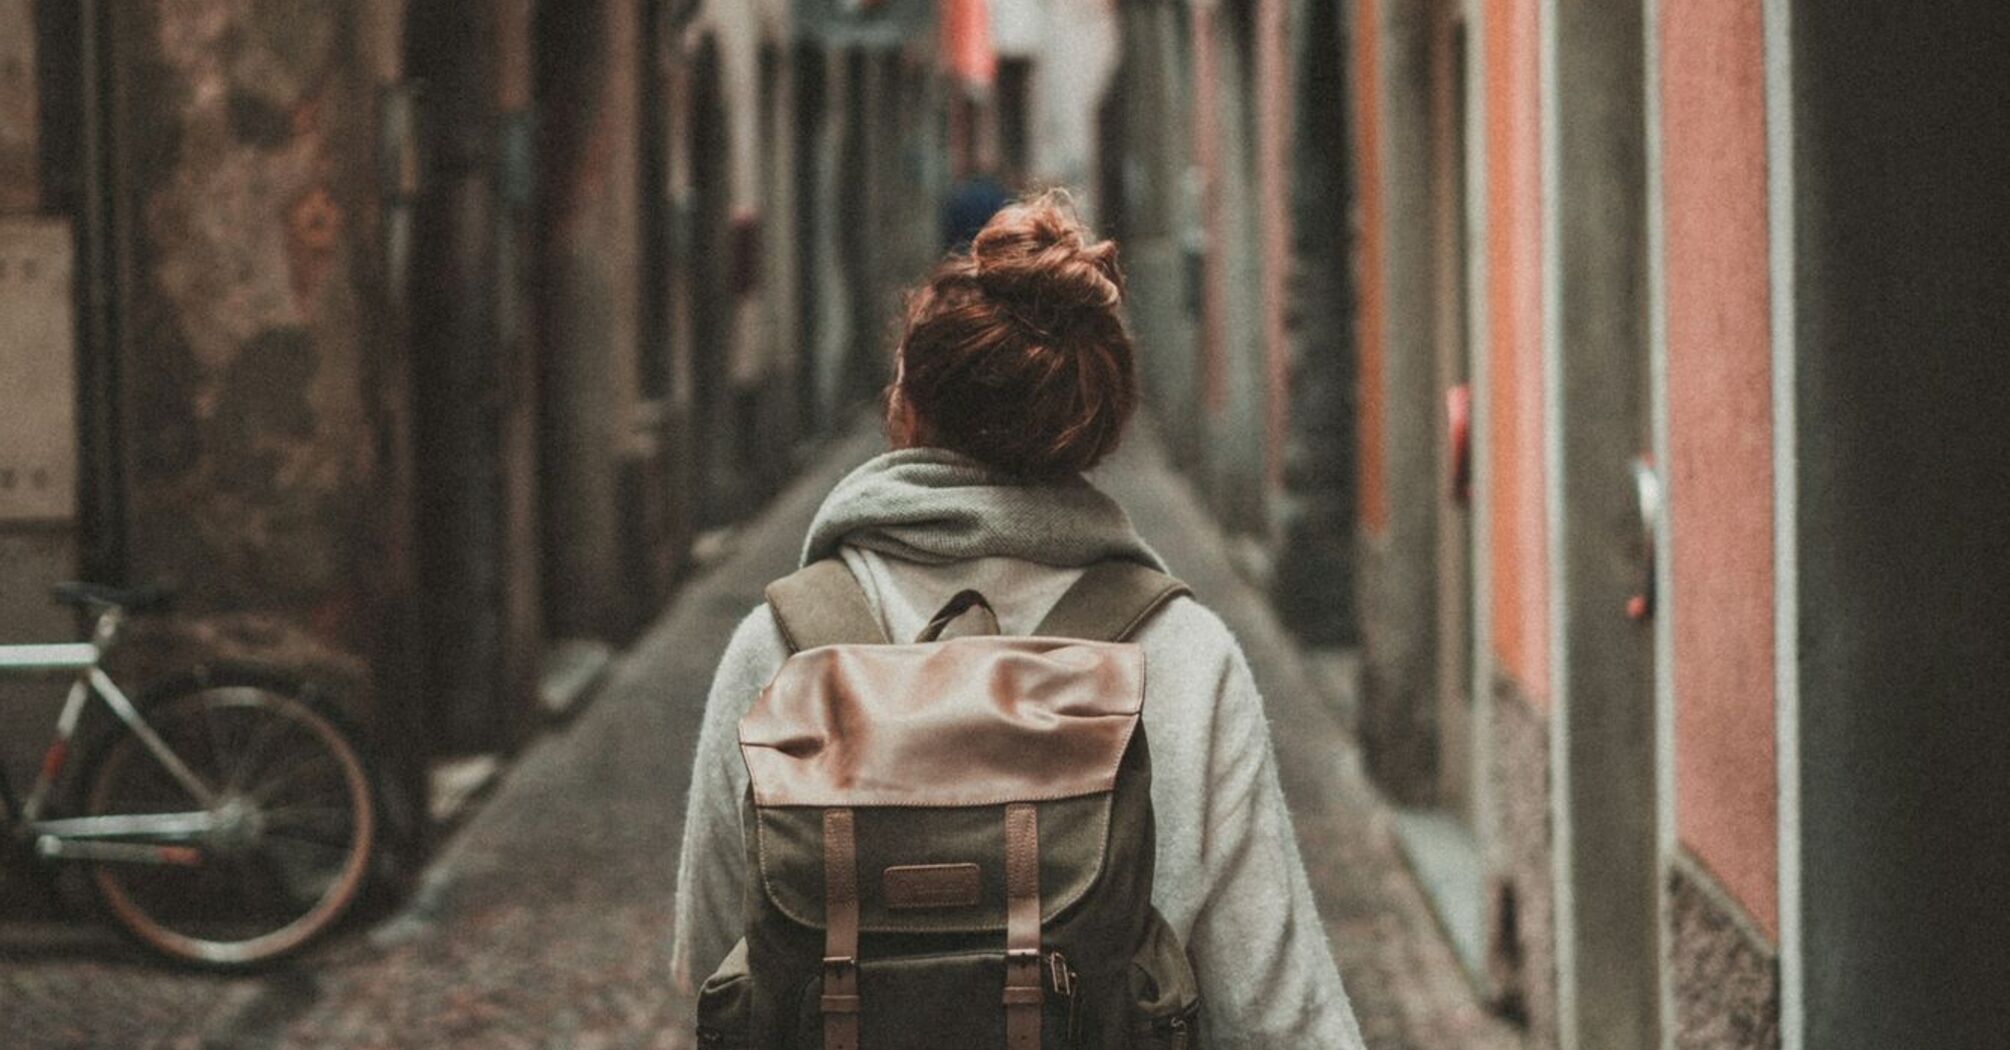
[712, 867]
[1267, 977]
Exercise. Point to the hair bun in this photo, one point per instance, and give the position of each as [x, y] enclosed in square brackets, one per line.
[1039, 254]
[1016, 353]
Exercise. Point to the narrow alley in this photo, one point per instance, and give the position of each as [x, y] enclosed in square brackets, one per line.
[545, 920]
[1588, 416]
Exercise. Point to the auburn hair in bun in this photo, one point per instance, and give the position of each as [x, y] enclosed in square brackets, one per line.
[1016, 353]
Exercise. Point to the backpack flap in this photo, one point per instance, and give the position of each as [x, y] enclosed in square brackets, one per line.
[928, 744]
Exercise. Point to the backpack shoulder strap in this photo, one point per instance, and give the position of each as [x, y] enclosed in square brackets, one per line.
[1110, 602]
[823, 604]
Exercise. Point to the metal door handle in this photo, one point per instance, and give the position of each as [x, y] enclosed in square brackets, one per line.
[1647, 495]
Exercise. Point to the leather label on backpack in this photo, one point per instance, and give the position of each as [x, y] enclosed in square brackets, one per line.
[916, 886]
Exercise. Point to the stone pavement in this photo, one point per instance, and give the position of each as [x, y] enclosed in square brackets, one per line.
[545, 921]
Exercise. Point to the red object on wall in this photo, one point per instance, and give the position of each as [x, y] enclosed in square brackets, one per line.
[966, 42]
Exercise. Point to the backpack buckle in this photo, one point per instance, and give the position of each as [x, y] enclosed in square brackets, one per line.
[1059, 976]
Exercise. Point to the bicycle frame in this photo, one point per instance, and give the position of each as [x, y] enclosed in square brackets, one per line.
[98, 838]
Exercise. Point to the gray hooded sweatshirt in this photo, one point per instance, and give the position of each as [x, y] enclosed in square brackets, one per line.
[918, 525]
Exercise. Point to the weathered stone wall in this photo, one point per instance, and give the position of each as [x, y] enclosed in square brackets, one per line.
[1521, 939]
[261, 398]
[1724, 977]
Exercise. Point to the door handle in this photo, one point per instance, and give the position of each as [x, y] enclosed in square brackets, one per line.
[1647, 499]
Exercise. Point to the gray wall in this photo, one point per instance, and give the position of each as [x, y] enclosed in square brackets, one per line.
[1399, 567]
[1903, 313]
[1598, 424]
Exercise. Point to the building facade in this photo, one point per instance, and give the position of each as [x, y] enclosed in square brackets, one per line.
[1665, 648]
[420, 342]
[1222, 171]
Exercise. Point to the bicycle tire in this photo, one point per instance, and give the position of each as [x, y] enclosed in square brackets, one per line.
[232, 927]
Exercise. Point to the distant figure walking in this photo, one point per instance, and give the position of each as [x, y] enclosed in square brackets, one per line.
[971, 203]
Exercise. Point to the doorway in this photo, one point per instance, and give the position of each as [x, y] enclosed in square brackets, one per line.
[711, 301]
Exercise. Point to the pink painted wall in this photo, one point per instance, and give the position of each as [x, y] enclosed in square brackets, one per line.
[1720, 479]
[1517, 535]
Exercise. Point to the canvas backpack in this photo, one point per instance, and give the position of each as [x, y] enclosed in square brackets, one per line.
[950, 842]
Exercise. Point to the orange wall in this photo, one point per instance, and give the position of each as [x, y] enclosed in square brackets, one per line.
[1514, 439]
[1720, 479]
[1368, 261]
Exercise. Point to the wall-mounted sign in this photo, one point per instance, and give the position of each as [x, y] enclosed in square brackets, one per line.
[38, 354]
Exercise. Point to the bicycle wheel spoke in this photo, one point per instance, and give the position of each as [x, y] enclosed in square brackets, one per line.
[249, 757]
[150, 789]
[304, 869]
[317, 824]
[294, 775]
[214, 735]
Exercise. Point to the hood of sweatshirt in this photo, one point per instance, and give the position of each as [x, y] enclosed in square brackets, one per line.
[934, 506]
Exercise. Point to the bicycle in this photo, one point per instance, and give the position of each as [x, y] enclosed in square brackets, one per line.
[227, 820]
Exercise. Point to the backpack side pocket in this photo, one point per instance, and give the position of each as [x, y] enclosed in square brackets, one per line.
[725, 1004]
[1165, 997]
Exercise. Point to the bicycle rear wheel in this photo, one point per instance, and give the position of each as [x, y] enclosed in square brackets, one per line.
[293, 823]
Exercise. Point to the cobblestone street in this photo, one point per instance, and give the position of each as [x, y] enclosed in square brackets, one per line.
[545, 920]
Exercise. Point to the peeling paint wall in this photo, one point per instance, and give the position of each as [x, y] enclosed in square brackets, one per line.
[1521, 900]
[261, 404]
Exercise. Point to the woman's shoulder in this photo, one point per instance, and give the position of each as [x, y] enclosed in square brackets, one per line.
[1193, 658]
[1201, 702]
[750, 658]
[1186, 628]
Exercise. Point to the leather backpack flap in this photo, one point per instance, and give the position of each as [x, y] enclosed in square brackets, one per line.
[927, 745]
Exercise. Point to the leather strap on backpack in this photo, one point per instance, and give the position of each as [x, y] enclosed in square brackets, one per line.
[822, 604]
[840, 989]
[964, 605]
[1110, 602]
[1022, 927]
